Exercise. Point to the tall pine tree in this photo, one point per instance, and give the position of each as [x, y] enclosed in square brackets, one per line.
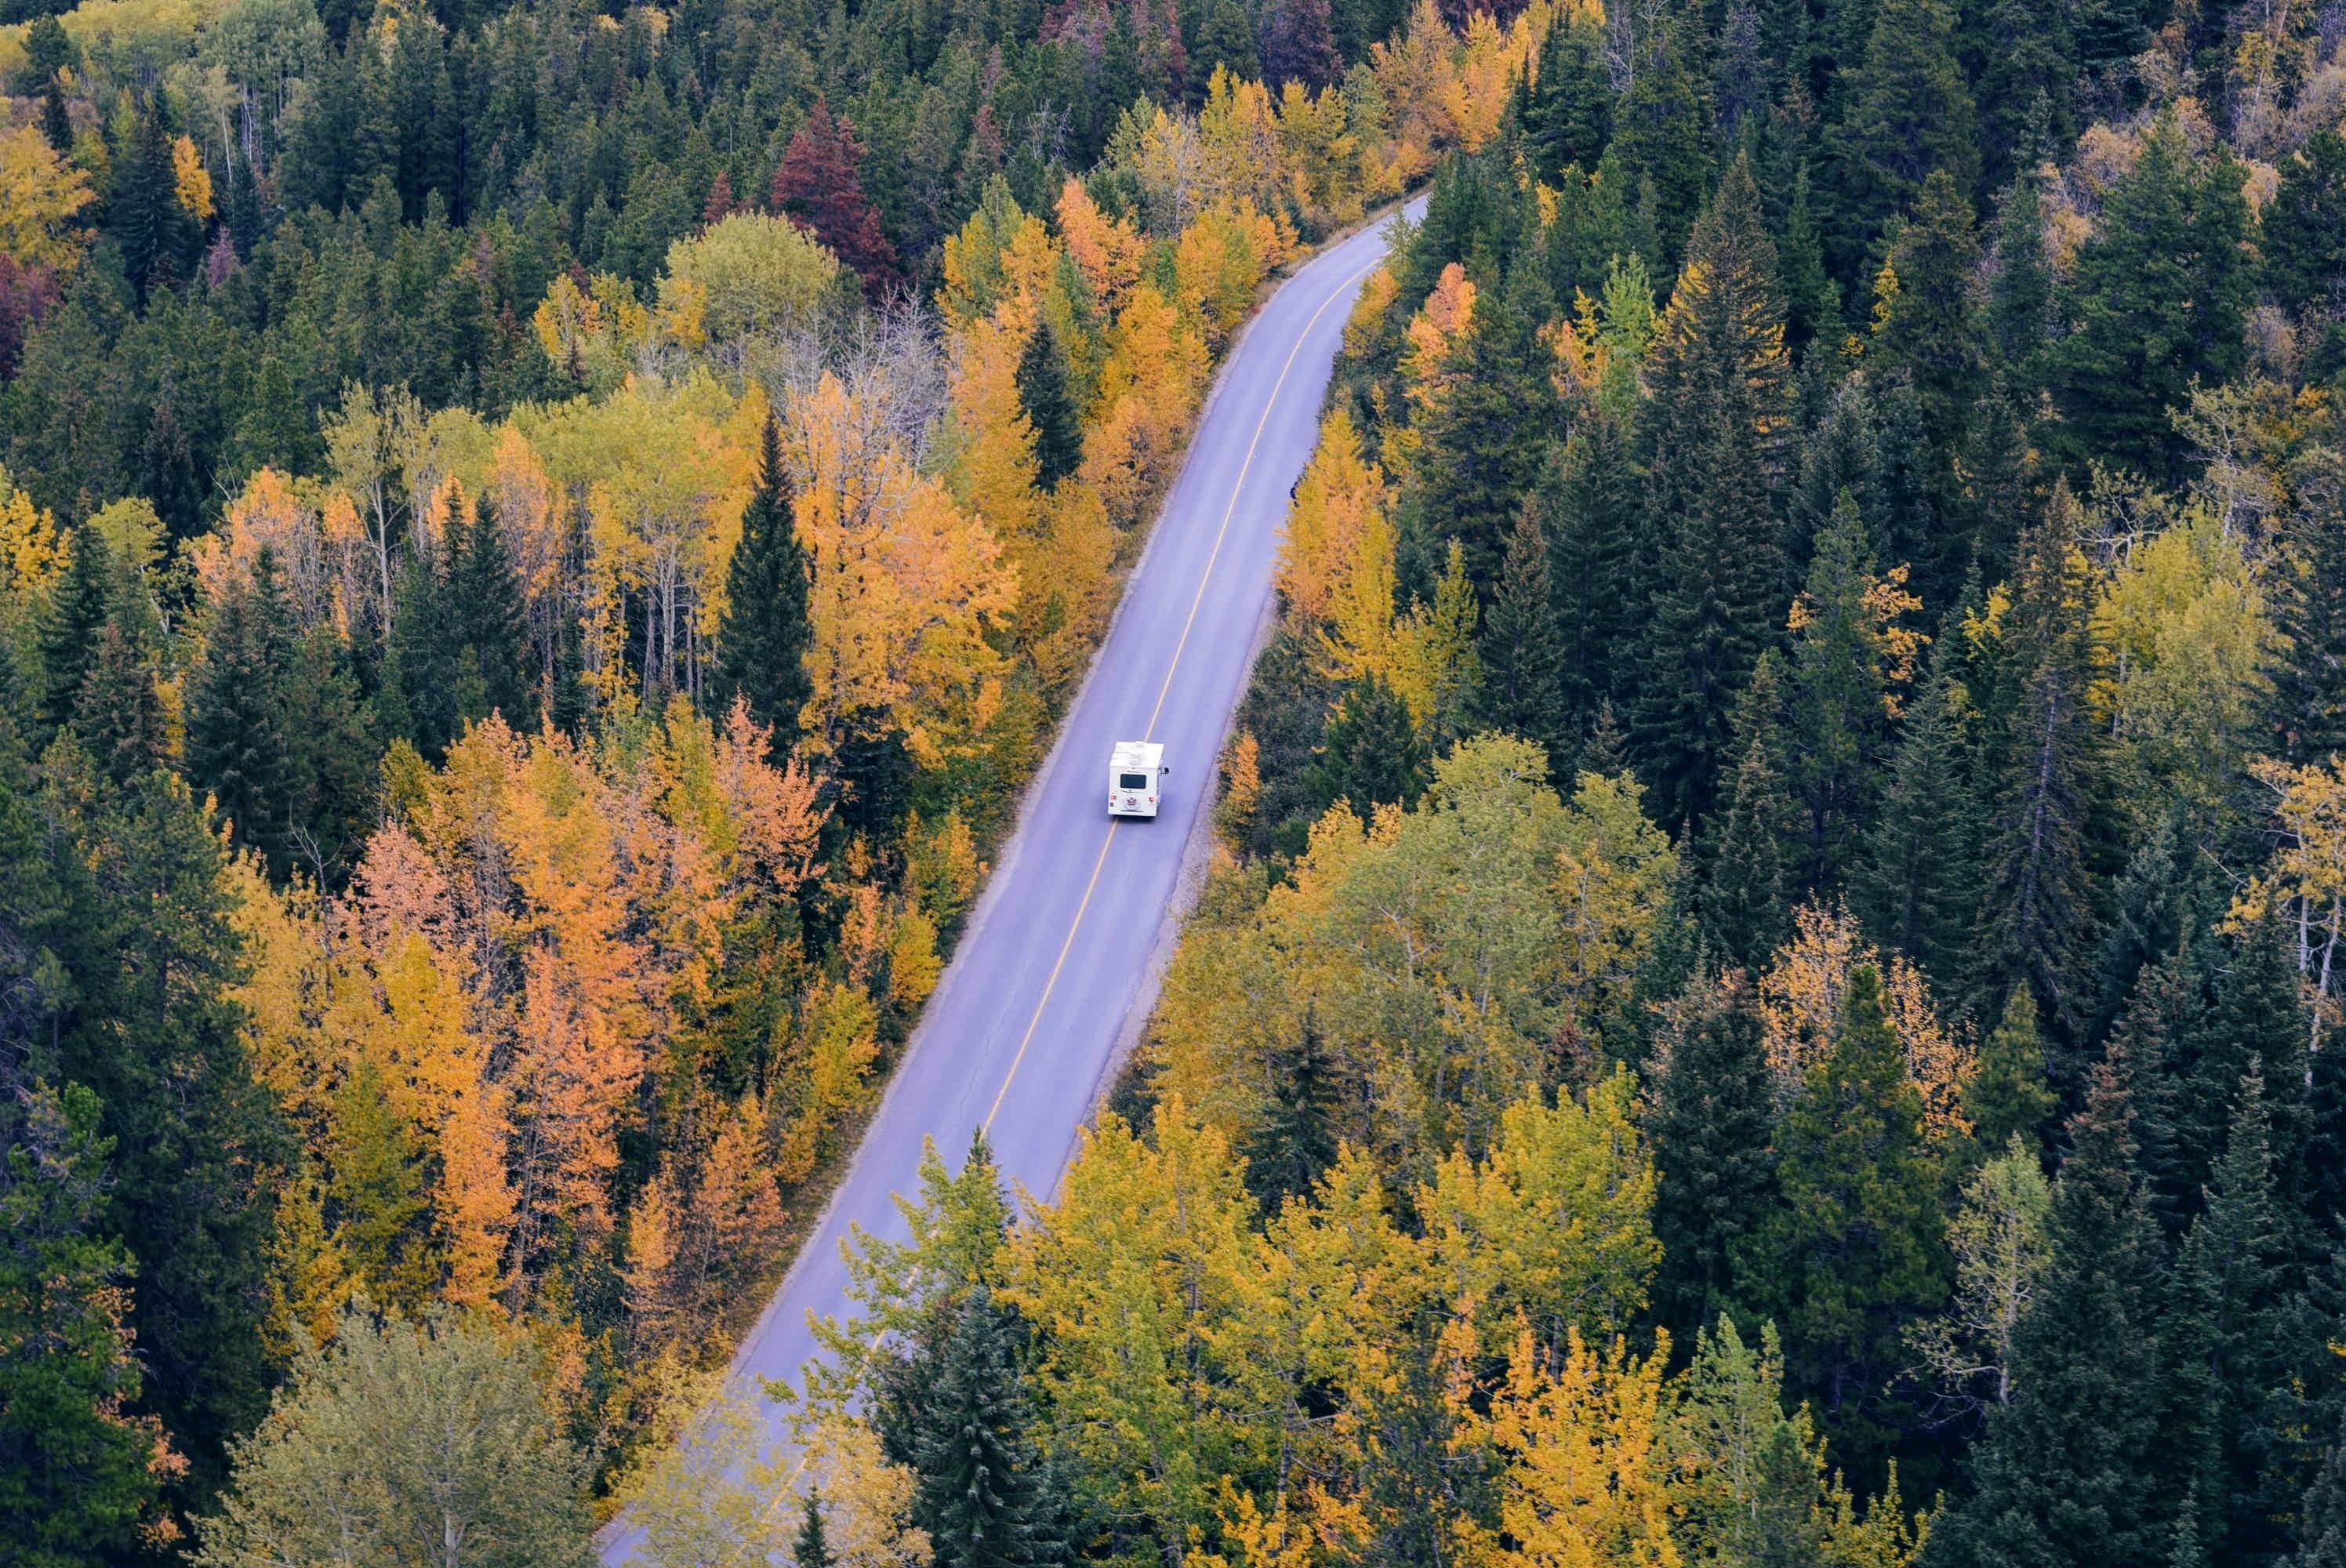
[761, 641]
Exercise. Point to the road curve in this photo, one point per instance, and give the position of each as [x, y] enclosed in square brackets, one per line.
[1021, 1031]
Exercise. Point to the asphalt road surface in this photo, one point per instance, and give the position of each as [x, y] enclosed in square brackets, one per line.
[1019, 1035]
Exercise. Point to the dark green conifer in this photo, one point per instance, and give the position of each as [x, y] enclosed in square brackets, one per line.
[1567, 110]
[762, 640]
[239, 746]
[1589, 499]
[2037, 915]
[1908, 112]
[1486, 439]
[1915, 889]
[2008, 1096]
[485, 605]
[1853, 1248]
[2062, 1474]
[1042, 395]
[1837, 718]
[2162, 295]
[1710, 1130]
[1746, 904]
[119, 715]
[1521, 661]
[81, 604]
[2310, 604]
[812, 1547]
[1713, 451]
[981, 1491]
[1297, 1139]
[1370, 754]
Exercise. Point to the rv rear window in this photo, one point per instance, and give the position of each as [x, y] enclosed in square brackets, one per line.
[1132, 780]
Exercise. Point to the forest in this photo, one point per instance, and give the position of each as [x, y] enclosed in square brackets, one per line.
[1763, 993]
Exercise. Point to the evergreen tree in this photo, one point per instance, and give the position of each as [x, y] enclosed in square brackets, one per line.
[1854, 1245]
[1718, 377]
[2321, 1514]
[76, 1480]
[2223, 1342]
[56, 124]
[80, 606]
[1909, 113]
[1927, 321]
[143, 214]
[1662, 130]
[1521, 661]
[2025, 67]
[1566, 115]
[486, 607]
[2310, 604]
[1370, 754]
[2037, 915]
[981, 1491]
[2161, 300]
[122, 901]
[1296, 1139]
[1710, 1128]
[1836, 701]
[812, 1547]
[118, 715]
[1746, 902]
[2020, 290]
[239, 742]
[1042, 396]
[2007, 1096]
[1590, 502]
[1915, 889]
[1485, 439]
[2062, 1474]
[761, 641]
[2303, 234]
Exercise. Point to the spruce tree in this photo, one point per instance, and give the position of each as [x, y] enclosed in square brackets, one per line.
[2162, 295]
[2321, 1514]
[81, 604]
[143, 213]
[980, 1488]
[1370, 752]
[1717, 378]
[56, 124]
[1836, 707]
[2006, 1095]
[1746, 900]
[1567, 110]
[2309, 687]
[239, 741]
[2020, 291]
[2037, 915]
[2062, 1474]
[2223, 1341]
[486, 604]
[1710, 1128]
[1909, 113]
[2303, 236]
[118, 715]
[1928, 323]
[1042, 396]
[1521, 661]
[811, 1549]
[1296, 1139]
[1915, 888]
[1854, 1245]
[1485, 439]
[761, 641]
[1589, 500]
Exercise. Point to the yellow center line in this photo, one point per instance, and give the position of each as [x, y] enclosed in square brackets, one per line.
[1237, 487]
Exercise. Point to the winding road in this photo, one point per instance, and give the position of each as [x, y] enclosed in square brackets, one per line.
[1060, 956]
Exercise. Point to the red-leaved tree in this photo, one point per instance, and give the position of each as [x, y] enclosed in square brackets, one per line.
[818, 187]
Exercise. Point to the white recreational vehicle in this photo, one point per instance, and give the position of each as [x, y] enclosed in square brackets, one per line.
[1136, 775]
